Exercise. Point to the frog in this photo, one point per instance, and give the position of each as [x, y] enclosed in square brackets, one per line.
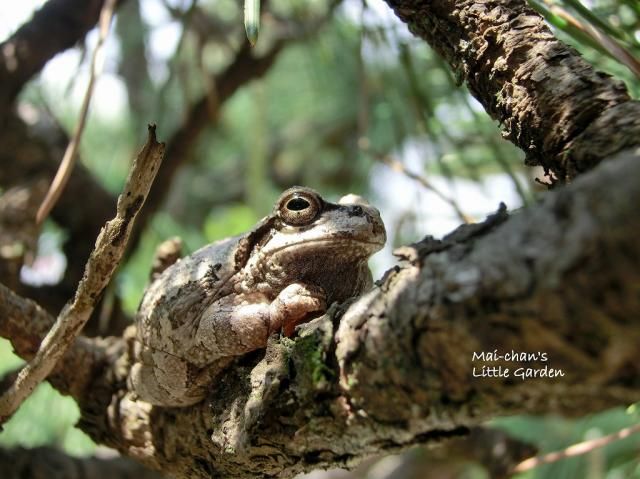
[226, 299]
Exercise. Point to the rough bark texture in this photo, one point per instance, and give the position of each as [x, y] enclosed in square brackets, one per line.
[397, 368]
[565, 115]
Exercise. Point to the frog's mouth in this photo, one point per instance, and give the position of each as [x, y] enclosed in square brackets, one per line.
[348, 245]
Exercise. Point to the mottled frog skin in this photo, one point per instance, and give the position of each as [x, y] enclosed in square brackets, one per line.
[225, 299]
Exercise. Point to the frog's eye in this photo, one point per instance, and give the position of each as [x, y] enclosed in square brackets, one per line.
[300, 208]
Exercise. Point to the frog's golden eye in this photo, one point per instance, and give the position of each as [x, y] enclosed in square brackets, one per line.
[300, 207]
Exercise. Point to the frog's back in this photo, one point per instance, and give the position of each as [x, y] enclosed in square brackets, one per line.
[173, 303]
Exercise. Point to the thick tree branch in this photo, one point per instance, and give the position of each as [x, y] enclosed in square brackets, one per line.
[565, 115]
[517, 287]
[398, 369]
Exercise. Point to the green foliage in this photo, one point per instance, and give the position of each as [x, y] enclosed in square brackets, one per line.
[228, 221]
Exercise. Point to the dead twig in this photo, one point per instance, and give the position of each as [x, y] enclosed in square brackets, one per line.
[399, 167]
[102, 263]
[69, 158]
[576, 449]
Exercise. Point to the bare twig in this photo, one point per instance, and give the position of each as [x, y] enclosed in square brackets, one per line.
[399, 167]
[576, 449]
[69, 158]
[100, 266]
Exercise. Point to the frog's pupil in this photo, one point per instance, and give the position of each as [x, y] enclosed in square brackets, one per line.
[297, 204]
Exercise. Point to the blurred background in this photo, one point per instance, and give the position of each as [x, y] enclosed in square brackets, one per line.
[343, 99]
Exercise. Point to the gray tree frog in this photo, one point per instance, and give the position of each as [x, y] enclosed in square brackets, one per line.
[225, 299]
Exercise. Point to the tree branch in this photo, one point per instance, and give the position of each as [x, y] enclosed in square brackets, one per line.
[58, 25]
[102, 263]
[70, 154]
[244, 68]
[565, 115]
[398, 368]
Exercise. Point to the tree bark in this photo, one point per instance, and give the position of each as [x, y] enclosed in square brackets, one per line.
[58, 25]
[423, 357]
[551, 103]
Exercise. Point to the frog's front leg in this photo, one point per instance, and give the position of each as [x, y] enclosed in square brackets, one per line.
[296, 304]
[230, 327]
[243, 323]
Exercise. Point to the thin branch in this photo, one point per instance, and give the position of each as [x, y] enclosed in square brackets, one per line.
[55, 27]
[399, 167]
[69, 158]
[101, 265]
[576, 449]
[25, 323]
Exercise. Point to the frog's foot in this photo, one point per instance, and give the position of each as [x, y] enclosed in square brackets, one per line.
[296, 304]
